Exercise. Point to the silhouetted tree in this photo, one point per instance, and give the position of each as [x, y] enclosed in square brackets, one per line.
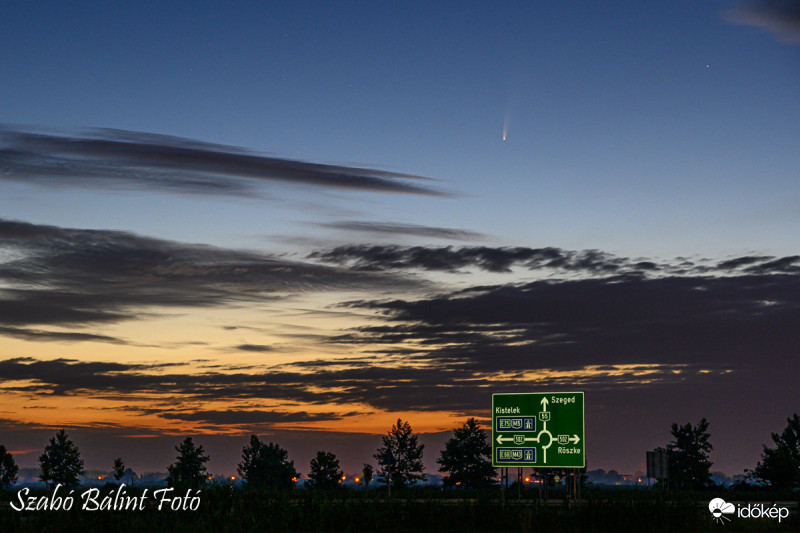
[467, 457]
[400, 458]
[119, 469]
[61, 462]
[325, 472]
[366, 474]
[8, 468]
[780, 466]
[266, 466]
[689, 467]
[189, 470]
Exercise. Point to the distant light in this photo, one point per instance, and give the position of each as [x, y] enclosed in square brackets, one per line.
[527, 480]
[294, 479]
[357, 480]
[99, 477]
[233, 477]
[344, 477]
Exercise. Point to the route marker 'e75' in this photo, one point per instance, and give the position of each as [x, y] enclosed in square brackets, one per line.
[538, 429]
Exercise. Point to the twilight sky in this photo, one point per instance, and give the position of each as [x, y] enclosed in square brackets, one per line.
[306, 220]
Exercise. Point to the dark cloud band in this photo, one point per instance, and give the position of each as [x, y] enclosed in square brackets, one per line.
[61, 276]
[368, 258]
[107, 158]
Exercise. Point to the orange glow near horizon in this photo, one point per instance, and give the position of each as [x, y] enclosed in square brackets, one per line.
[157, 411]
[242, 341]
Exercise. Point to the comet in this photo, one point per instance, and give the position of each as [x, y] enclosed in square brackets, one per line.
[505, 126]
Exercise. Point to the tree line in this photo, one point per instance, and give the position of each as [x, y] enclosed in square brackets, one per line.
[266, 466]
[465, 461]
[690, 467]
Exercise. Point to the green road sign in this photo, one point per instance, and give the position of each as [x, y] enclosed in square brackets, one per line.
[538, 429]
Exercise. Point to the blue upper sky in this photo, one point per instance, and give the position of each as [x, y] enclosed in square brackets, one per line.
[651, 128]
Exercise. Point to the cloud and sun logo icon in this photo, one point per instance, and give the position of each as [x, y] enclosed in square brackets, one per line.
[719, 508]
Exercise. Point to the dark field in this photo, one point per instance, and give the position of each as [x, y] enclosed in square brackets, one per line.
[227, 509]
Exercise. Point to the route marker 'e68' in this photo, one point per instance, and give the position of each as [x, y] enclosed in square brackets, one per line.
[538, 429]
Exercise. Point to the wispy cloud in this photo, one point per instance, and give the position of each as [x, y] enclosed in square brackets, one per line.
[250, 418]
[109, 158]
[781, 17]
[260, 348]
[405, 229]
[30, 334]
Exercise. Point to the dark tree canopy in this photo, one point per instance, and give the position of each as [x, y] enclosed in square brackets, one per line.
[8, 468]
[266, 466]
[189, 470]
[467, 457]
[119, 468]
[689, 467]
[780, 466]
[325, 472]
[400, 458]
[61, 462]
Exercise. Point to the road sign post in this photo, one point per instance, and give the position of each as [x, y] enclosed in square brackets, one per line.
[658, 466]
[542, 430]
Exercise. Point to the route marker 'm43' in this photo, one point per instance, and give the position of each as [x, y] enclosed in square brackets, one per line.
[538, 429]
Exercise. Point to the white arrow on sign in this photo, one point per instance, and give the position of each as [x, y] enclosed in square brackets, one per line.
[501, 439]
[544, 404]
[574, 439]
